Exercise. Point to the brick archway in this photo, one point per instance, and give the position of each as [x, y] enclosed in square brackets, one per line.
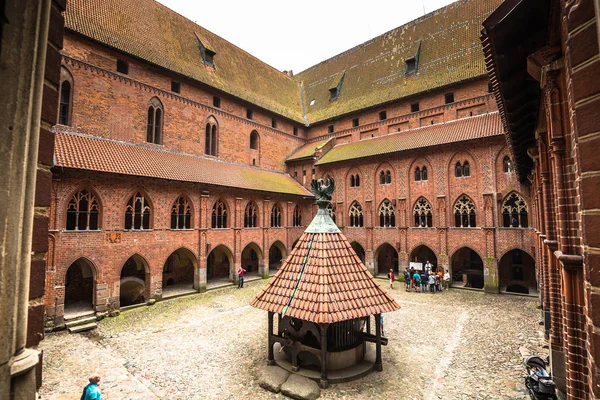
[80, 289]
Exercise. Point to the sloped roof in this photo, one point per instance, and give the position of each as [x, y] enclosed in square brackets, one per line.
[308, 150]
[154, 33]
[375, 70]
[324, 281]
[96, 154]
[469, 128]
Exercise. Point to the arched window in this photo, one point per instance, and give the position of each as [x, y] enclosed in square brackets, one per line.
[388, 177]
[331, 211]
[458, 171]
[387, 218]
[466, 169]
[514, 211]
[424, 174]
[507, 165]
[138, 212]
[418, 174]
[155, 121]
[211, 138]
[423, 213]
[464, 212]
[356, 215]
[352, 181]
[382, 178]
[275, 216]
[64, 112]
[181, 214]
[357, 180]
[83, 212]
[297, 217]
[254, 140]
[219, 215]
[250, 216]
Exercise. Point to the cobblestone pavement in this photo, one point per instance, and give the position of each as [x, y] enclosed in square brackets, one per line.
[458, 344]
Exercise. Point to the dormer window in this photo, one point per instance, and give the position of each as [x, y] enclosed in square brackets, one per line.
[412, 63]
[334, 91]
[333, 94]
[206, 51]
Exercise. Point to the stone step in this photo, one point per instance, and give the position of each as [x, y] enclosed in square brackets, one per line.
[82, 328]
[81, 321]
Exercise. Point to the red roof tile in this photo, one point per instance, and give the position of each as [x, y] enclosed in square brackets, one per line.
[97, 154]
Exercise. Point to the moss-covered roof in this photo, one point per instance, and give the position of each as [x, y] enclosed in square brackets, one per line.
[375, 70]
[308, 150]
[152, 32]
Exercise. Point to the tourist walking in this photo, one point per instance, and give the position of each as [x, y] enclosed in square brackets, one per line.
[391, 277]
[431, 283]
[423, 282]
[241, 272]
[446, 280]
[417, 281]
[91, 391]
[407, 280]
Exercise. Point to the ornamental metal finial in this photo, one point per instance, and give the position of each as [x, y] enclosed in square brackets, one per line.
[323, 189]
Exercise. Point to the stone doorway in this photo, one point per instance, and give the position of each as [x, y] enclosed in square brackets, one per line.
[80, 286]
[517, 273]
[135, 281]
[386, 258]
[467, 269]
[422, 254]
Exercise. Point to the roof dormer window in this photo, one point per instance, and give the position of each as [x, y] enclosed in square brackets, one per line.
[412, 63]
[334, 91]
[206, 51]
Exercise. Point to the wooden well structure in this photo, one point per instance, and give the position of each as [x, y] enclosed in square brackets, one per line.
[324, 299]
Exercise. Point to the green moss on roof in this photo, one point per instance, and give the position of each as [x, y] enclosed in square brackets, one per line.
[308, 150]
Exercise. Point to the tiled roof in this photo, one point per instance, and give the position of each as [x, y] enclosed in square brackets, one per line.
[96, 154]
[469, 128]
[324, 281]
[375, 70]
[152, 32]
[308, 150]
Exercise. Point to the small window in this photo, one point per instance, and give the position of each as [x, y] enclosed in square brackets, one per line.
[357, 181]
[65, 103]
[273, 123]
[330, 129]
[254, 140]
[122, 67]
[249, 114]
[217, 102]
[414, 107]
[295, 131]
[313, 172]
[352, 181]
[382, 115]
[295, 174]
[449, 97]
[466, 169]
[458, 172]
[388, 177]
[333, 94]
[209, 58]
[418, 174]
[424, 173]
[303, 172]
[507, 165]
[382, 178]
[411, 66]
[175, 87]
[355, 122]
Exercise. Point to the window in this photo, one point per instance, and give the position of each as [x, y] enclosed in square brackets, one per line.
[507, 165]
[254, 140]
[273, 123]
[355, 122]
[417, 174]
[209, 58]
[382, 178]
[297, 217]
[206, 52]
[458, 172]
[275, 216]
[216, 102]
[333, 94]
[464, 212]
[295, 174]
[155, 121]
[219, 215]
[356, 215]
[138, 212]
[65, 103]
[357, 181]
[422, 212]
[122, 67]
[250, 216]
[388, 177]
[411, 66]
[354, 180]
[386, 215]
[175, 87]
[83, 212]
[514, 212]
[211, 138]
[330, 129]
[331, 211]
[295, 131]
[449, 98]
[249, 114]
[466, 169]
[414, 107]
[382, 115]
[181, 214]
[424, 173]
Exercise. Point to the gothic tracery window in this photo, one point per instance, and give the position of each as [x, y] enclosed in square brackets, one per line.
[155, 121]
[138, 212]
[83, 212]
[422, 212]
[181, 214]
[464, 212]
[356, 215]
[211, 139]
[387, 218]
[219, 215]
[507, 165]
[514, 211]
[250, 216]
[297, 217]
[275, 216]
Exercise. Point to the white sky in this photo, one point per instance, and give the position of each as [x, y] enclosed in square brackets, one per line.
[297, 35]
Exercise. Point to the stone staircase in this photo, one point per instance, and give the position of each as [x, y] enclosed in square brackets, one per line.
[81, 324]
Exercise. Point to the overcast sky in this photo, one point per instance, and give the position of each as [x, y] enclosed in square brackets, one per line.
[297, 35]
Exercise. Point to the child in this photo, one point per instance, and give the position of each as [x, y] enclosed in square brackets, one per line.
[391, 278]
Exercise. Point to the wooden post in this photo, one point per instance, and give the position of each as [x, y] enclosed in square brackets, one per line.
[369, 324]
[378, 363]
[324, 382]
[271, 357]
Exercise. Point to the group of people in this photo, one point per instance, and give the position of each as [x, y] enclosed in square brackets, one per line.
[423, 280]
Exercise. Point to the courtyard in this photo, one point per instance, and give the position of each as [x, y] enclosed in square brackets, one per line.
[459, 344]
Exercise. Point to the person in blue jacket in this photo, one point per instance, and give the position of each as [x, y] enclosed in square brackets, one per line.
[92, 391]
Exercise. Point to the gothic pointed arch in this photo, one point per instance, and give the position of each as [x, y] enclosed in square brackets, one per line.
[423, 213]
[387, 217]
[276, 216]
[65, 96]
[211, 137]
[83, 211]
[356, 218]
[297, 216]
[515, 211]
[220, 214]
[182, 213]
[464, 212]
[154, 125]
[138, 212]
[251, 215]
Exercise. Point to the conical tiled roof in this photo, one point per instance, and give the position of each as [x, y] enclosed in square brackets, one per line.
[323, 280]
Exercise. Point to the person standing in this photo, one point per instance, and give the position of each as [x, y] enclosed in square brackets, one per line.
[423, 282]
[417, 281]
[446, 280]
[91, 391]
[428, 267]
[438, 280]
[391, 277]
[432, 282]
[241, 272]
[407, 280]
